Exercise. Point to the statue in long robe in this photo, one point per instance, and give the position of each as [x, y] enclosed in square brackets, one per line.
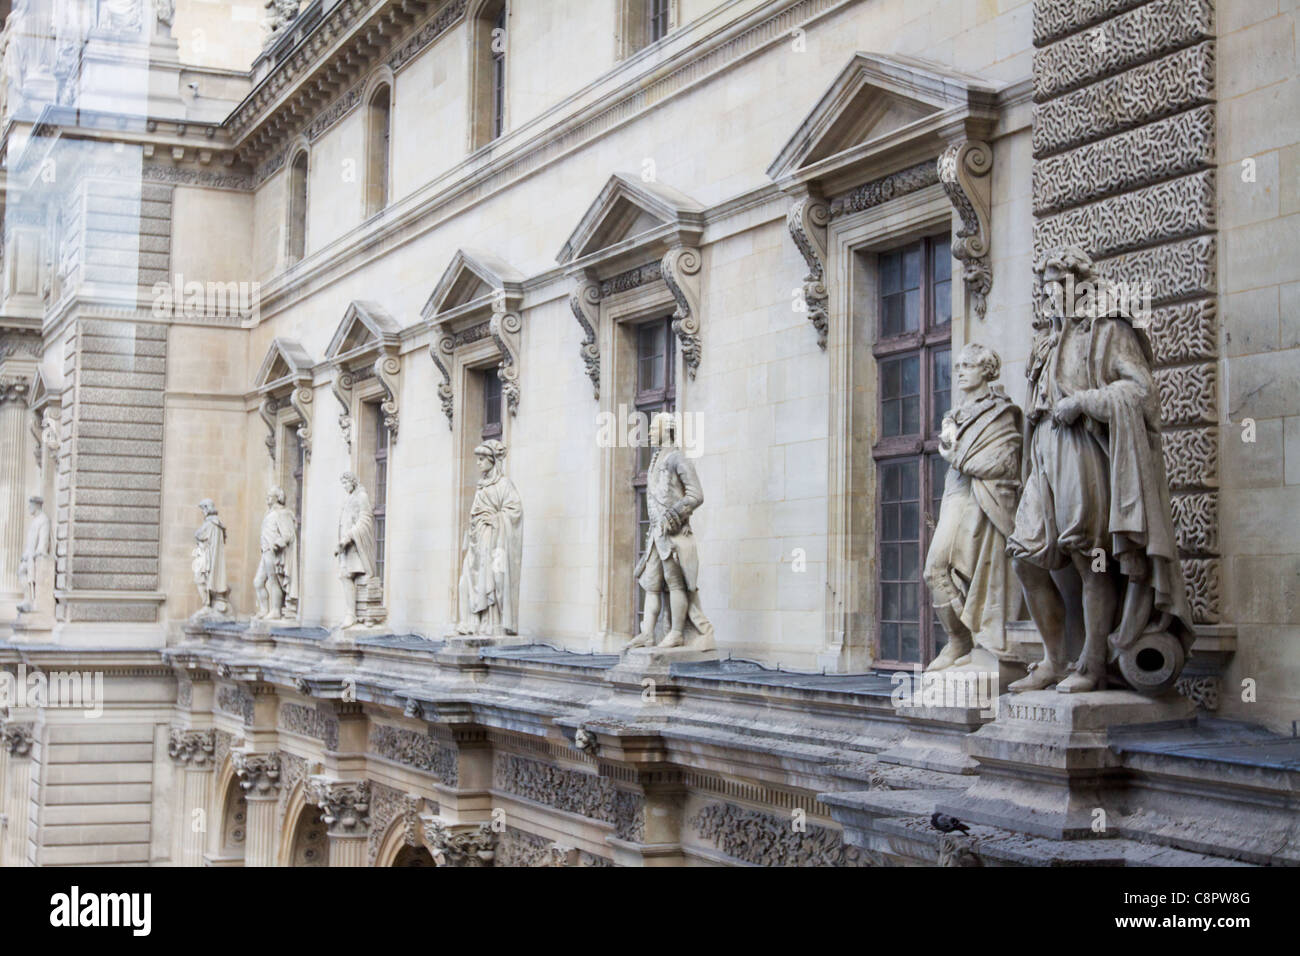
[493, 549]
[209, 564]
[36, 554]
[276, 580]
[967, 568]
[356, 548]
[670, 563]
[1096, 498]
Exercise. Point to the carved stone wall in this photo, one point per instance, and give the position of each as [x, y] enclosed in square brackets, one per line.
[764, 839]
[1123, 144]
[573, 791]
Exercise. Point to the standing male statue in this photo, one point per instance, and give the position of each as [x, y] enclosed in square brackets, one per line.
[277, 572]
[1095, 506]
[36, 553]
[356, 547]
[494, 548]
[966, 567]
[671, 562]
[209, 563]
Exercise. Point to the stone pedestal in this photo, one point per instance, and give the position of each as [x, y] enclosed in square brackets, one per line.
[35, 622]
[1046, 766]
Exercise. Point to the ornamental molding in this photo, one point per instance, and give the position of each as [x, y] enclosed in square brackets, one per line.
[964, 170]
[764, 839]
[344, 805]
[472, 844]
[419, 751]
[259, 773]
[573, 791]
[309, 722]
[366, 343]
[479, 296]
[192, 748]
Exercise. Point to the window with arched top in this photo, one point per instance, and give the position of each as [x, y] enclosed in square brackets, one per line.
[488, 73]
[297, 247]
[379, 120]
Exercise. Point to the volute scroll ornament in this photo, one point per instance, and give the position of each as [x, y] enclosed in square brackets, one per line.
[505, 327]
[387, 367]
[807, 221]
[585, 303]
[441, 353]
[681, 270]
[301, 399]
[341, 385]
[964, 171]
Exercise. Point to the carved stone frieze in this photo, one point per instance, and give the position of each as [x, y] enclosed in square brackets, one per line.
[807, 220]
[958, 849]
[1055, 18]
[1188, 394]
[1145, 93]
[1203, 577]
[1185, 332]
[885, 188]
[585, 794]
[585, 303]
[1196, 522]
[416, 750]
[764, 839]
[344, 805]
[259, 773]
[1142, 217]
[235, 701]
[681, 271]
[1173, 271]
[192, 748]
[1162, 150]
[964, 170]
[1159, 27]
[310, 722]
[385, 805]
[1192, 457]
[471, 844]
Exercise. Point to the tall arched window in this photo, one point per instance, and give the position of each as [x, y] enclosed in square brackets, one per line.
[298, 207]
[378, 132]
[488, 80]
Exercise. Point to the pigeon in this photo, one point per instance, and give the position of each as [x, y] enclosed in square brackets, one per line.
[946, 824]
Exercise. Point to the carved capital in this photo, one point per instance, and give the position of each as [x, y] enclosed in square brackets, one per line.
[341, 387]
[259, 773]
[13, 390]
[506, 328]
[681, 271]
[192, 748]
[387, 367]
[16, 739]
[585, 303]
[964, 171]
[472, 844]
[807, 221]
[344, 804]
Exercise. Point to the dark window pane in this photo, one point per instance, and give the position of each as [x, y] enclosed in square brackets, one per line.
[911, 564]
[889, 641]
[942, 303]
[941, 259]
[912, 310]
[941, 377]
[889, 273]
[910, 640]
[891, 316]
[912, 268]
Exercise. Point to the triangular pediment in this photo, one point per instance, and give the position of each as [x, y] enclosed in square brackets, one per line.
[365, 325]
[880, 103]
[629, 208]
[473, 276]
[285, 361]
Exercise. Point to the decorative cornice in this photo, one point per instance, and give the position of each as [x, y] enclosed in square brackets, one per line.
[881, 190]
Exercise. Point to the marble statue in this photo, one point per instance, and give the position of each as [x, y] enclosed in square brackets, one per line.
[34, 564]
[966, 568]
[281, 14]
[670, 562]
[493, 549]
[210, 563]
[356, 548]
[277, 573]
[1093, 537]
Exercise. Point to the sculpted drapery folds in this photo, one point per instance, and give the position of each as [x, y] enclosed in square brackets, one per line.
[36, 549]
[493, 549]
[671, 562]
[1096, 498]
[356, 545]
[209, 564]
[277, 572]
[967, 568]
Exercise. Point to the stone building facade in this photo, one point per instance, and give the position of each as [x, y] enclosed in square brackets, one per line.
[399, 228]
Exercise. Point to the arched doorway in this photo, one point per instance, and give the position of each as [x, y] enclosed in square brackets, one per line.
[413, 856]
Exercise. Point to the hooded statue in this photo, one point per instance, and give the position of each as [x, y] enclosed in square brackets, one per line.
[493, 549]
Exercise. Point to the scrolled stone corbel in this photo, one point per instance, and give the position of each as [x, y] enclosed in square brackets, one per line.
[964, 171]
[505, 327]
[387, 367]
[807, 220]
[441, 352]
[301, 398]
[681, 271]
[341, 386]
[585, 303]
[267, 411]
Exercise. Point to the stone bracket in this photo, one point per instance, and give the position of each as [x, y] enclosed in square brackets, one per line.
[681, 271]
[506, 326]
[387, 366]
[341, 385]
[964, 171]
[301, 399]
[807, 220]
[585, 303]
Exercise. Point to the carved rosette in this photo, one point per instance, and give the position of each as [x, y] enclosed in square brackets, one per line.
[387, 367]
[344, 805]
[192, 748]
[267, 410]
[585, 303]
[341, 386]
[807, 221]
[681, 271]
[259, 773]
[964, 170]
[301, 399]
[16, 739]
[505, 327]
[441, 352]
[471, 844]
